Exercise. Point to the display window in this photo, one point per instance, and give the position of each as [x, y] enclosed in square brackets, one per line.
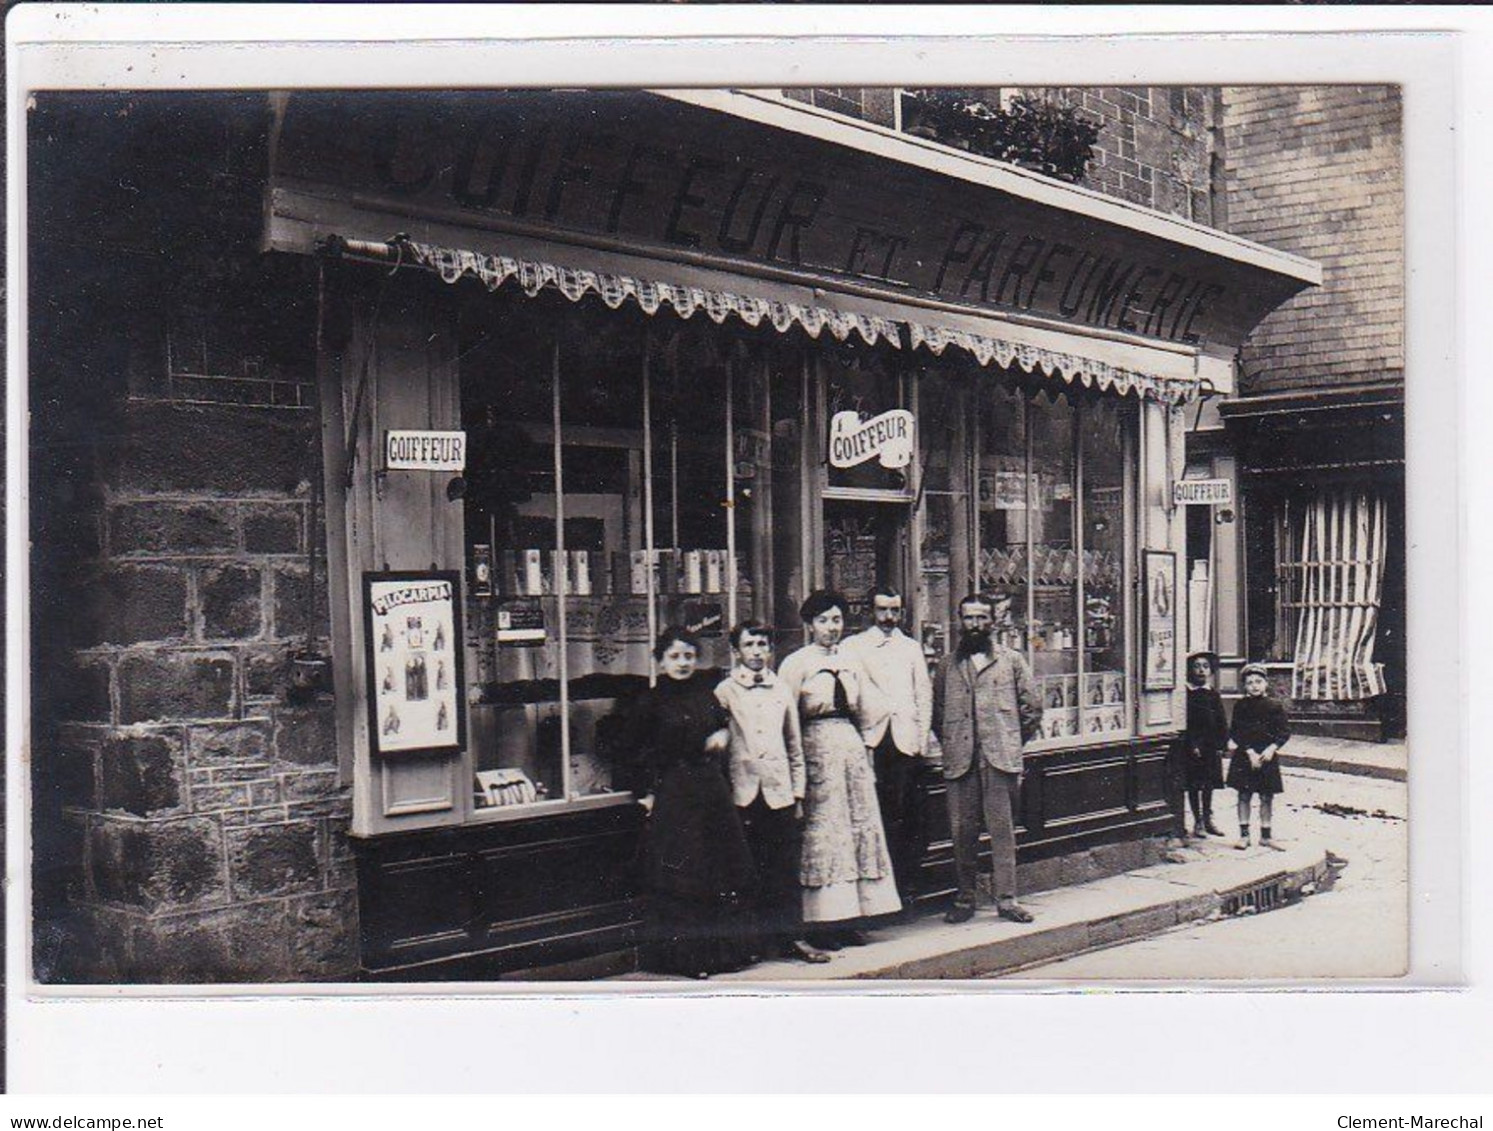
[1047, 515]
[625, 475]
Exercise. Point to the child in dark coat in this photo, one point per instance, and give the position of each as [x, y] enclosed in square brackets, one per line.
[1207, 735]
[1256, 734]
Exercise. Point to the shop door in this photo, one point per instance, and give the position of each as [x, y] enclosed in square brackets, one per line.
[865, 545]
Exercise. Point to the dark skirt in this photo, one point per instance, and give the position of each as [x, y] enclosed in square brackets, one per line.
[1205, 769]
[693, 936]
[698, 875]
[1246, 779]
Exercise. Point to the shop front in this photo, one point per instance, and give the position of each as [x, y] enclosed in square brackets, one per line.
[590, 364]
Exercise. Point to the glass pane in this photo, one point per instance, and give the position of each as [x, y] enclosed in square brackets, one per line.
[1005, 496]
[790, 416]
[944, 574]
[606, 623]
[690, 493]
[1054, 627]
[513, 666]
[1106, 708]
[752, 471]
[859, 388]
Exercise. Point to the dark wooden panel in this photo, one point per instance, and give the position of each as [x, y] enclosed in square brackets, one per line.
[499, 897]
[560, 893]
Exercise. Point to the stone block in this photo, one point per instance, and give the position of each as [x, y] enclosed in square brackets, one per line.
[230, 598]
[311, 785]
[69, 779]
[293, 617]
[175, 685]
[323, 936]
[266, 792]
[232, 945]
[215, 798]
[158, 528]
[265, 673]
[263, 815]
[306, 736]
[274, 859]
[82, 695]
[322, 807]
[157, 865]
[234, 744]
[141, 774]
[228, 449]
[134, 604]
[273, 529]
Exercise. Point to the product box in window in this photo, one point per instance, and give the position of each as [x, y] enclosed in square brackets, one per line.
[533, 573]
[583, 582]
[715, 571]
[693, 572]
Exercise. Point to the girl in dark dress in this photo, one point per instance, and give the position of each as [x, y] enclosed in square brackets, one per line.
[698, 866]
[1256, 734]
[1207, 734]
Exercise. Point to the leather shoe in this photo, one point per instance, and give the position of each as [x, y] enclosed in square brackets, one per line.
[804, 952]
[1014, 912]
[959, 913]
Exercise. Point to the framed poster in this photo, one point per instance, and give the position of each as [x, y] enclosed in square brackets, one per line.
[1159, 663]
[412, 625]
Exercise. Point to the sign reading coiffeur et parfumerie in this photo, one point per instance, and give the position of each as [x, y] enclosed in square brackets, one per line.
[887, 438]
[414, 450]
[1203, 492]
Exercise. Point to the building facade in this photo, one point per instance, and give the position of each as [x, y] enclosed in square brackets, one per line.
[376, 435]
[1314, 438]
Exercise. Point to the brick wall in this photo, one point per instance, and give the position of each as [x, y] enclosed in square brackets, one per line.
[1317, 171]
[1156, 145]
[190, 823]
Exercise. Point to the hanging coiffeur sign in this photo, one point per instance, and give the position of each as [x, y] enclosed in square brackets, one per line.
[414, 656]
[887, 438]
[1203, 492]
[415, 450]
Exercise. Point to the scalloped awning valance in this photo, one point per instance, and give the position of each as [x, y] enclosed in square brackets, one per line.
[493, 271]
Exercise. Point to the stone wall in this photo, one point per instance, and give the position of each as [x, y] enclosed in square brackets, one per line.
[189, 821]
[1317, 171]
[208, 816]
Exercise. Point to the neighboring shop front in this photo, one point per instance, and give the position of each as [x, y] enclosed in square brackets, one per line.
[588, 364]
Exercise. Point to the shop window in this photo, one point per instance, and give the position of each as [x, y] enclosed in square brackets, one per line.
[598, 510]
[1050, 519]
[944, 573]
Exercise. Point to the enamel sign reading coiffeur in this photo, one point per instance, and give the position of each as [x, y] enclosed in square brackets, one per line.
[421, 450]
[1203, 492]
[888, 439]
[414, 662]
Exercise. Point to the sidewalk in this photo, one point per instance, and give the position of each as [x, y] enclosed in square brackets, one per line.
[1211, 879]
[1344, 756]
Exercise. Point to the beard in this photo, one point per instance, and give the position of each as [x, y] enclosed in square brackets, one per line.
[974, 640]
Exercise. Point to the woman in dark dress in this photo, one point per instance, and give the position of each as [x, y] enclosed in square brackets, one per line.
[1256, 734]
[1205, 738]
[698, 867]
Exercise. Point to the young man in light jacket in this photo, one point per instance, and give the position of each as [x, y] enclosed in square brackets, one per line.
[985, 710]
[898, 668]
[768, 780]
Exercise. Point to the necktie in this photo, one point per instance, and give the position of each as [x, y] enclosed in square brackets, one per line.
[842, 697]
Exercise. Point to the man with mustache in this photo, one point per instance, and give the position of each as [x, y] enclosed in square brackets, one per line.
[985, 710]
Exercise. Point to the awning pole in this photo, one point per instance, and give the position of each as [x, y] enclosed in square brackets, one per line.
[730, 492]
[648, 550]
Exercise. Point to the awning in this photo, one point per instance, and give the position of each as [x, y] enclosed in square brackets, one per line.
[650, 294]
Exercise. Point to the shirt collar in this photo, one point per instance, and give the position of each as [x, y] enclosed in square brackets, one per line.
[750, 679]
